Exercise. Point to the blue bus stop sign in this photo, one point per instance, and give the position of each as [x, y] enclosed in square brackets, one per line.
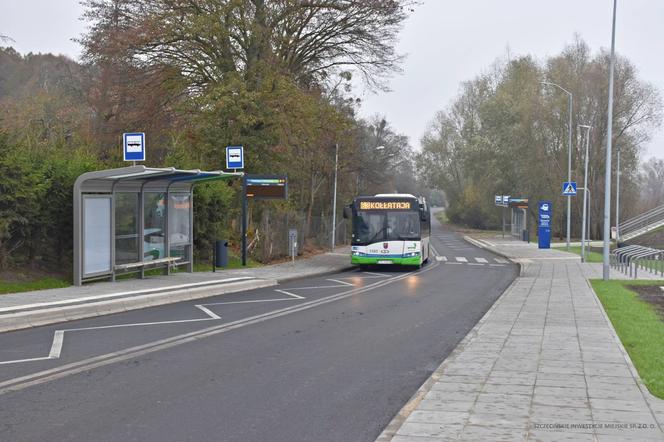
[133, 146]
[234, 157]
[545, 210]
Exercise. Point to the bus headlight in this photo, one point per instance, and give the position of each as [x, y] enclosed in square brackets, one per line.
[358, 253]
[411, 254]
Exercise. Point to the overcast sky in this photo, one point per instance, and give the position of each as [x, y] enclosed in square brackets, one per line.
[447, 42]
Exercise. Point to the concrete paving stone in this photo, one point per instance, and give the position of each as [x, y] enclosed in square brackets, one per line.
[619, 404]
[512, 409]
[628, 417]
[498, 420]
[460, 379]
[501, 398]
[608, 427]
[622, 392]
[570, 392]
[560, 380]
[523, 365]
[539, 412]
[437, 405]
[606, 358]
[438, 431]
[627, 438]
[438, 417]
[610, 380]
[482, 433]
[461, 396]
[560, 401]
[399, 438]
[558, 436]
[561, 369]
[512, 377]
[508, 389]
[601, 369]
[452, 387]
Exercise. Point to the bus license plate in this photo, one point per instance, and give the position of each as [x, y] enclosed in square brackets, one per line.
[384, 261]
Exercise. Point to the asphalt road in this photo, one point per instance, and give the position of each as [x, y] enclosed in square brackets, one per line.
[327, 358]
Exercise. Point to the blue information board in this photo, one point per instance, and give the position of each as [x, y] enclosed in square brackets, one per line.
[545, 210]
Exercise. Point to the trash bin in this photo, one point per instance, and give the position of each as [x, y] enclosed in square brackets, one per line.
[221, 253]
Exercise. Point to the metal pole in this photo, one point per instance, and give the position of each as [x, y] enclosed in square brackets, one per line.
[569, 171]
[618, 195]
[585, 197]
[607, 172]
[334, 198]
[244, 221]
[503, 222]
[569, 154]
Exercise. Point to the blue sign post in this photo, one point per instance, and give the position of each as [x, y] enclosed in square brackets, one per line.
[133, 146]
[234, 157]
[545, 209]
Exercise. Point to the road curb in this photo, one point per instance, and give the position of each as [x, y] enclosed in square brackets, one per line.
[46, 316]
[393, 427]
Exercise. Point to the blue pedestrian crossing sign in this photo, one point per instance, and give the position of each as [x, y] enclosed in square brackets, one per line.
[569, 188]
[234, 157]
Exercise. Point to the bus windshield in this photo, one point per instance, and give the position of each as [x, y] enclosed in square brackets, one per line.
[371, 227]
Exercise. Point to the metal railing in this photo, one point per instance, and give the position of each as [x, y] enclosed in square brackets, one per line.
[640, 224]
[630, 258]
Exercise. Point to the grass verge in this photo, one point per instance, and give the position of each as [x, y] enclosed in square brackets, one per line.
[639, 326]
[38, 284]
[590, 256]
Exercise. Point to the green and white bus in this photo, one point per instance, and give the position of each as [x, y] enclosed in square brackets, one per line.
[389, 229]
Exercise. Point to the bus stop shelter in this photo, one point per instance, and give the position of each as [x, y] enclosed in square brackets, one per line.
[135, 218]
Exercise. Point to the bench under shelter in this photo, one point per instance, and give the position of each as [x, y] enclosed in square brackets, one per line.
[135, 218]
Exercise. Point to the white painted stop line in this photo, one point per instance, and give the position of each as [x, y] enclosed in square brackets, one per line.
[441, 258]
[482, 260]
[461, 259]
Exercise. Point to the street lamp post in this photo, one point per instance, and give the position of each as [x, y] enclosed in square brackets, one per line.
[334, 198]
[585, 194]
[569, 154]
[607, 170]
[618, 173]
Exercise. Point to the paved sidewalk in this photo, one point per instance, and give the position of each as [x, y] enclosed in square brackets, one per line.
[544, 364]
[21, 310]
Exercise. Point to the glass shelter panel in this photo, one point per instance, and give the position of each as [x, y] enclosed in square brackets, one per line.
[179, 227]
[155, 223]
[126, 228]
[96, 235]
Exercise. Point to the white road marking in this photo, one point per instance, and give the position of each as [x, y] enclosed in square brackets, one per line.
[497, 265]
[133, 292]
[44, 376]
[375, 274]
[340, 282]
[461, 259]
[475, 264]
[441, 258]
[500, 260]
[457, 263]
[482, 260]
[59, 335]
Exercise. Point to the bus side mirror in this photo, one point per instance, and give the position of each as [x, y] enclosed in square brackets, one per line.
[348, 213]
